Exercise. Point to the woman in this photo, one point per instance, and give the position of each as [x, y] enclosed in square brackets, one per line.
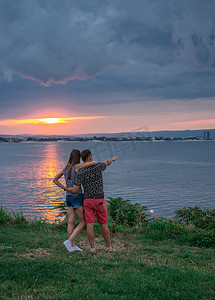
[74, 202]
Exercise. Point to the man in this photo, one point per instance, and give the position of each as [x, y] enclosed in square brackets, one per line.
[91, 180]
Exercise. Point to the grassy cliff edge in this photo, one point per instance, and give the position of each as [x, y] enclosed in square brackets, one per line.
[153, 258]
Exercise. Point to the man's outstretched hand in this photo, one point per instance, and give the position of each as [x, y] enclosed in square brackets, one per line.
[109, 161]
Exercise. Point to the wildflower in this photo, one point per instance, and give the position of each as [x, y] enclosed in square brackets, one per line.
[204, 219]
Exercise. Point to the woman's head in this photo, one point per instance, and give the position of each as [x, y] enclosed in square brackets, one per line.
[74, 158]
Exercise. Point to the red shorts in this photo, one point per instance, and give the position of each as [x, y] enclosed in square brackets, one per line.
[95, 205]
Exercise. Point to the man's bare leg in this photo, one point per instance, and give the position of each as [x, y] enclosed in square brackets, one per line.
[81, 225]
[106, 234]
[90, 235]
[71, 222]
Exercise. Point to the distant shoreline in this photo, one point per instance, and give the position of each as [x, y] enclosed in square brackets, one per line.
[108, 140]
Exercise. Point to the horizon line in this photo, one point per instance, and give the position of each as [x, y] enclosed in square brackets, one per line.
[121, 132]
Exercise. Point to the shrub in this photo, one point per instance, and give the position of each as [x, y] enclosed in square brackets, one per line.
[157, 224]
[5, 217]
[18, 218]
[174, 229]
[11, 217]
[203, 219]
[123, 212]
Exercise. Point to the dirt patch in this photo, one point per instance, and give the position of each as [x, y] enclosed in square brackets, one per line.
[117, 244]
[34, 253]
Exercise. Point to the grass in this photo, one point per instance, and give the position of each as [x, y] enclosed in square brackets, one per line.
[146, 265]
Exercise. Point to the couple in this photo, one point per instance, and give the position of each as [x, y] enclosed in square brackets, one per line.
[86, 175]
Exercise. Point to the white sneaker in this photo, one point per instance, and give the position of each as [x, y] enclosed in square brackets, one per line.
[92, 249]
[67, 244]
[69, 247]
[77, 248]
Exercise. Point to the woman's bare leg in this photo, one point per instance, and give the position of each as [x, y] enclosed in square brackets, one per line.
[71, 221]
[81, 225]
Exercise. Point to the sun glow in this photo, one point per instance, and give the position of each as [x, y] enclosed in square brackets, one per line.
[45, 121]
[51, 120]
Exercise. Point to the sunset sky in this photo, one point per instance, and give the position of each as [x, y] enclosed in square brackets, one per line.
[106, 66]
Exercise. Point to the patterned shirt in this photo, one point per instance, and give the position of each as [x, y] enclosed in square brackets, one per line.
[70, 182]
[91, 180]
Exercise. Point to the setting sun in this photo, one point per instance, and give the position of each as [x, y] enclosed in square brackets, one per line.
[50, 120]
[44, 121]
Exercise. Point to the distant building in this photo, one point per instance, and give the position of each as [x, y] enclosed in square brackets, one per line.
[207, 135]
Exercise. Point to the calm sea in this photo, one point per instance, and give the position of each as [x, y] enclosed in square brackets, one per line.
[164, 176]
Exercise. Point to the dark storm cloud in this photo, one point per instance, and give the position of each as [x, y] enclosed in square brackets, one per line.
[56, 41]
[144, 48]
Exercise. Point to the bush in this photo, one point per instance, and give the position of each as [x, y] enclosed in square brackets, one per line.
[5, 217]
[123, 212]
[174, 229]
[11, 218]
[203, 219]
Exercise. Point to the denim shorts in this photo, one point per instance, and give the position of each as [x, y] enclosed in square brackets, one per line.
[74, 201]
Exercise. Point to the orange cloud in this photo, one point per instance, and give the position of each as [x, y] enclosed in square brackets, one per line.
[81, 75]
[11, 122]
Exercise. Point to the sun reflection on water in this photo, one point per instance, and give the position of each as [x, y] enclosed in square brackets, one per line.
[51, 194]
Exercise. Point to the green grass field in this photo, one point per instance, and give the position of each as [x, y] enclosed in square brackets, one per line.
[145, 265]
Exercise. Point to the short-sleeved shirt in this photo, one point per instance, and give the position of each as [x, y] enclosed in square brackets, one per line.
[70, 182]
[91, 180]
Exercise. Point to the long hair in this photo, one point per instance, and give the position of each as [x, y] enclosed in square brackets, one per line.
[74, 159]
[70, 159]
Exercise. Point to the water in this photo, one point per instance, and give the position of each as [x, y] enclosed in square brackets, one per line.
[164, 176]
